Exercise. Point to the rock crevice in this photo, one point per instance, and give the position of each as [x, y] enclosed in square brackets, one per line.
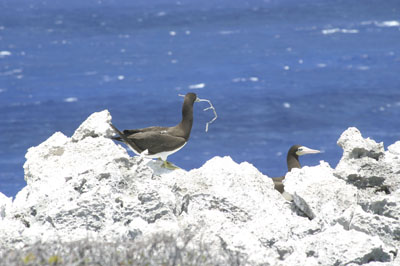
[88, 186]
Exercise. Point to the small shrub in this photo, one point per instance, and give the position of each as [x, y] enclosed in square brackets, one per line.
[156, 250]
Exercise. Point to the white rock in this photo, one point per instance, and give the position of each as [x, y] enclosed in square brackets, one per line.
[220, 197]
[383, 204]
[392, 158]
[394, 149]
[96, 125]
[367, 166]
[355, 146]
[5, 204]
[361, 163]
[318, 193]
[87, 187]
[388, 229]
[51, 149]
[335, 246]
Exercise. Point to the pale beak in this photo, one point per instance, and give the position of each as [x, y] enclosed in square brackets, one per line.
[306, 150]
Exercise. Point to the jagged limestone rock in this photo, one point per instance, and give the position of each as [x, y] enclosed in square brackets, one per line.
[362, 162]
[95, 126]
[335, 246]
[319, 194]
[88, 188]
[5, 204]
[387, 229]
[392, 158]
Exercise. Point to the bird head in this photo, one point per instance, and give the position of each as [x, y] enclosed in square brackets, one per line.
[302, 150]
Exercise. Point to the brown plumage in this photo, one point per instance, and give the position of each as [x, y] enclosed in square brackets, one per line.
[160, 142]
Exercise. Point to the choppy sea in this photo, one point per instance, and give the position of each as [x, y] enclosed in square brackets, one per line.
[279, 72]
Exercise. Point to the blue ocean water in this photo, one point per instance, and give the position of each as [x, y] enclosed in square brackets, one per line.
[279, 72]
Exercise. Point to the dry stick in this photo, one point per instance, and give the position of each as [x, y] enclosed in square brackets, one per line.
[208, 108]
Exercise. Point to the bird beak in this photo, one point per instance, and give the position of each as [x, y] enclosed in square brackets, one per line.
[306, 150]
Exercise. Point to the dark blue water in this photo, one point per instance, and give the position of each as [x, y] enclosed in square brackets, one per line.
[278, 72]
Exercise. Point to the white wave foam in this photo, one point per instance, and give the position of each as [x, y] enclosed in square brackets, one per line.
[161, 14]
[107, 78]
[11, 72]
[363, 68]
[286, 105]
[387, 23]
[124, 36]
[391, 23]
[358, 67]
[70, 99]
[4, 53]
[90, 73]
[338, 30]
[236, 80]
[239, 79]
[228, 32]
[197, 86]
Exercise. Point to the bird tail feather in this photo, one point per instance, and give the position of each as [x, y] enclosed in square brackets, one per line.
[124, 138]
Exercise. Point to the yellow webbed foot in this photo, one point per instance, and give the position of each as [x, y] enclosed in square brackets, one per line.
[169, 165]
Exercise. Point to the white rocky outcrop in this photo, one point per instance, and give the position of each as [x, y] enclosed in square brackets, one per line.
[5, 204]
[88, 187]
[361, 194]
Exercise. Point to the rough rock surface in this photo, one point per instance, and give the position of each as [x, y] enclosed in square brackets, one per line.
[87, 186]
[363, 162]
[362, 194]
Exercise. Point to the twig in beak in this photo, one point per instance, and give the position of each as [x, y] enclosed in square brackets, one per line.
[208, 108]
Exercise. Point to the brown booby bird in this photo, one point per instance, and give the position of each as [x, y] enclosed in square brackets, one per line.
[292, 162]
[160, 142]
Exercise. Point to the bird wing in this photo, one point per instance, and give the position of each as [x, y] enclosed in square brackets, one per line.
[128, 132]
[156, 141]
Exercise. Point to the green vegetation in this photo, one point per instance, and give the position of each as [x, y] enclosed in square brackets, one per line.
[159, 250]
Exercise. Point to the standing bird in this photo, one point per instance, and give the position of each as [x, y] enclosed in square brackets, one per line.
[160, 142]
[292, 162]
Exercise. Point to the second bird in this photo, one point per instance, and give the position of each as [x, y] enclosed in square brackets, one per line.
[292, 160]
